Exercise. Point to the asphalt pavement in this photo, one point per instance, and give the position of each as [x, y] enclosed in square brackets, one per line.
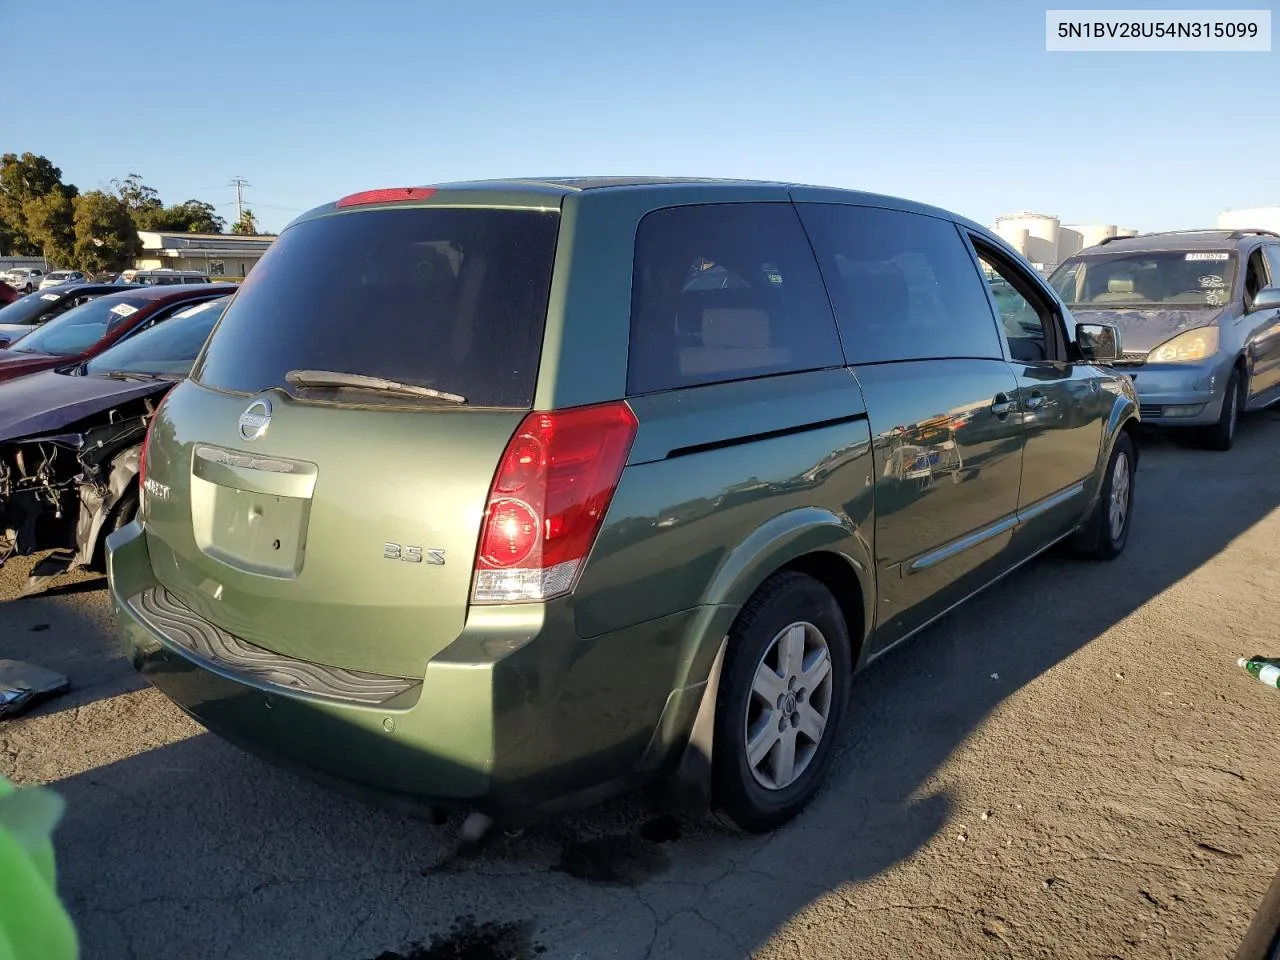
[1070, 766]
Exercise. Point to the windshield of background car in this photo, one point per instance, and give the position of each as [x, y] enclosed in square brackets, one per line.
[25, 310]
[451, 299]
[1183, 278]
[167, 349]
[80, 327]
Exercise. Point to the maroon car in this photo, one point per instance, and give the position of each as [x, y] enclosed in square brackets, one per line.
[7, 293]
[85, 331]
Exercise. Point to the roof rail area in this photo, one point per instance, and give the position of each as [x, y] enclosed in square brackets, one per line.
[1226, 234]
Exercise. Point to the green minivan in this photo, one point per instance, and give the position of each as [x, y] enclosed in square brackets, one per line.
[502, 496]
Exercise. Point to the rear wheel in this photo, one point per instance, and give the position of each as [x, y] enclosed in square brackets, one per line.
[1222, 435]
[781, 699]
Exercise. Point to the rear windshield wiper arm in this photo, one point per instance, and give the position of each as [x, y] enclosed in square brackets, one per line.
[356, 381]
[131, 375]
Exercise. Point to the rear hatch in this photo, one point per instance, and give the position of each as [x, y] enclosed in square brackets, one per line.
[317, 487]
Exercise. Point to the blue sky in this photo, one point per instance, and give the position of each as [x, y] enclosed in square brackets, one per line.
[953, 104]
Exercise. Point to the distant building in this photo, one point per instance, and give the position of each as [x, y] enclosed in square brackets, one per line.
[1262, 218]
[1046, 242]
[216, 254]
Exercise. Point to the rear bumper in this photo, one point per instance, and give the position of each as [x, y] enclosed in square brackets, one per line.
[540, 722]
[1180, 395]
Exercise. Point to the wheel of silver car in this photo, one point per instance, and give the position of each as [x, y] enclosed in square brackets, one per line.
[786, 718]
[1222, 435]
[782, 693]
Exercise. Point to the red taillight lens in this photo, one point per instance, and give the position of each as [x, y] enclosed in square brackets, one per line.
[385, 195]
[549, 496]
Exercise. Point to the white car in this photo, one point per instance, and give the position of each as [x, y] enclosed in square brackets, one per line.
[57, 277]
[24, 280]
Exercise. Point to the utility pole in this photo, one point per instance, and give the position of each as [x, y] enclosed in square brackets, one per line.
[240, 183]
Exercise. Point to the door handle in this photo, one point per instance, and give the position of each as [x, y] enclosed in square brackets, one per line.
[1002, 406]
[1035, 401]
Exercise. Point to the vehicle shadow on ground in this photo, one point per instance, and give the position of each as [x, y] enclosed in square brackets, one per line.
[211, 853]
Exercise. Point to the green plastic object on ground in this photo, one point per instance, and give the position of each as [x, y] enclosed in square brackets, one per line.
[33, 923]
[1266, 669]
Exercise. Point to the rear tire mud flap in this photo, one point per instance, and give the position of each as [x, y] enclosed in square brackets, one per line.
[689, 789]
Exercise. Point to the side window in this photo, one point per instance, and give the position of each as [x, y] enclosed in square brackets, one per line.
[1255, 277]
[725, 292]
[1272, 252]
[903, 285]
[1025, 320]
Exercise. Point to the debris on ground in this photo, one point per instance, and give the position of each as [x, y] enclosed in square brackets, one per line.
[23, 685]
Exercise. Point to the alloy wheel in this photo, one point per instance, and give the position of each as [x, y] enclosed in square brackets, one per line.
[790, 704]
[1118, 508]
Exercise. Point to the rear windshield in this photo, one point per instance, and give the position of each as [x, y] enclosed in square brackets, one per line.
[80, 327]
[1185, 278]
[451, 299]
[27, 310]
[167, 349]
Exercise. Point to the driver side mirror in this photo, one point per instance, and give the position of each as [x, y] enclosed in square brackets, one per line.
[1268, 298]
[1098, 341]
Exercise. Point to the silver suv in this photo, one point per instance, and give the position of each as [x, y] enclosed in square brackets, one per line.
[1199, 318]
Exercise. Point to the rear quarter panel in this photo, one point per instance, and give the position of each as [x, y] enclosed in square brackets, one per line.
[700, 519]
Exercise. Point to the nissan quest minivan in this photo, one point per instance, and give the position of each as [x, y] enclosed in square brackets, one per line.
[565, 486]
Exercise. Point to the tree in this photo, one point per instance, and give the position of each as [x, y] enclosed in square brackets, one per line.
[194, 216]
[105, 235]
[143, 202]
[24, 180]
[51, 225]
[247, 225]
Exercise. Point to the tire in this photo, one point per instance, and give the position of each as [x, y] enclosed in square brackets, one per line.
[1102, 539]
[1222, 435]
[760, 797]
[121, 515]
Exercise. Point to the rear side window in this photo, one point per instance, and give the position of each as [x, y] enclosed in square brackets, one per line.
[903, 285]
[451, 299]
[725, 292]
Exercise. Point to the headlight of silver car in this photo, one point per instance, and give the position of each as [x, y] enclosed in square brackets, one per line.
[1187, 347]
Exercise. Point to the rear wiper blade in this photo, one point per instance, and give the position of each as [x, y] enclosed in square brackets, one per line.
[334, 378]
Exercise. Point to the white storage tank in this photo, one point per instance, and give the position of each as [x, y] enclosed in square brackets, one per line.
[1262, 218]
[1034, 235]
[1078, 237]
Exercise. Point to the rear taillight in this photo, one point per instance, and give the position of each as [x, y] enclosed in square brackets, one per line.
[548, 500]
[386, 195]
